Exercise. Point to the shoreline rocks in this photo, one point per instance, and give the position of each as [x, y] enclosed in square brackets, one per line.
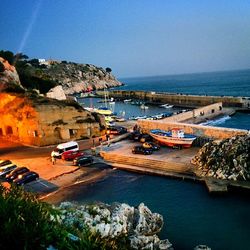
[138, 224]
[227, 159]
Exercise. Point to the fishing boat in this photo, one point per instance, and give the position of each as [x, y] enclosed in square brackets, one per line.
[143, 106]
[166, 106]
[173, 138]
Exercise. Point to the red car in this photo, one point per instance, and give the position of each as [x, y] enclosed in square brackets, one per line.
[71, 155]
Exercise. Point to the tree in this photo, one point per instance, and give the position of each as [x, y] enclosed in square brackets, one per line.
[108, 70]
[20, 56]
[7, 55]
[1, 67]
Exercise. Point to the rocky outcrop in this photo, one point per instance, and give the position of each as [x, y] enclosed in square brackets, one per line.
[76, 78]
[8, 75]
[56, 93]
[36, 120]
[138, 224]
[225, 159]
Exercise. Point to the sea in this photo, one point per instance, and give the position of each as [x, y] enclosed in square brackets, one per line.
[192, 216]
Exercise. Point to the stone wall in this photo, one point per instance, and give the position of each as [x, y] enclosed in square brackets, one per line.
[179, 99]
[205, 111]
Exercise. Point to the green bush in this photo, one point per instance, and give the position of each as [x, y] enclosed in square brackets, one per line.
[25, 222]
[2, 69]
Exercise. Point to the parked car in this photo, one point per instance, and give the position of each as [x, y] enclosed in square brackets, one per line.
[142, 150]
[7, 170]
[136, 136]
[6, 166]
[116, 130]
[83, 160]
[63, 147]
[151, 145]
[14, 174]
[71, 155]
[26, 178]
[4, 162]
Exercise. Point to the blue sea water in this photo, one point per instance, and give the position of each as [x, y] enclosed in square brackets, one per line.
[230, 83]
[192, 216]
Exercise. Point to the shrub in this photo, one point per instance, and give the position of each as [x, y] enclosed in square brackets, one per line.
[2, 69]
[26, 223]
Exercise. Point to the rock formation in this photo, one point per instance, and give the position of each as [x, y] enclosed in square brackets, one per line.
[8, 75]
[57, 93]
[40, 121]
[138, 224]
[225, 159]
[72, 77]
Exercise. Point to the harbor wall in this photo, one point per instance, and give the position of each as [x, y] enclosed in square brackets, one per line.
[206, 111]
[178, 99]
[198, 130]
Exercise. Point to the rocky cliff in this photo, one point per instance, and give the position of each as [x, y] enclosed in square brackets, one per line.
[225, 159]
[8, 76]
[75, 78]
[137, 226]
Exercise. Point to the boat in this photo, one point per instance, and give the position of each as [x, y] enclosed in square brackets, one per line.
[127, 100]
[166, 106]
[143, 106]
[174, 138]
[104, 111]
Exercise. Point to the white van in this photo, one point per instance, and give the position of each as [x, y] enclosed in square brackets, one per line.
[68, 146]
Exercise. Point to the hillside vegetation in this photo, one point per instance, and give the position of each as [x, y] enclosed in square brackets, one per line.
[45, 75]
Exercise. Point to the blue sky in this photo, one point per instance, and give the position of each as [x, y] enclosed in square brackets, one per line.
[133, 37]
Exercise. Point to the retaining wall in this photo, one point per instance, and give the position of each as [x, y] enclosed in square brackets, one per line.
[198, 130]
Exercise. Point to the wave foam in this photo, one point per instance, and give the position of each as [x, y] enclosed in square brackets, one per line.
[217, 121]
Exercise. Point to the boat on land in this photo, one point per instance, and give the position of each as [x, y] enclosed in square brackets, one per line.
[174, 138]
[166, 106]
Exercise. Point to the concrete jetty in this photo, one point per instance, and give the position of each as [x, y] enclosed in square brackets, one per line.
[180, 100]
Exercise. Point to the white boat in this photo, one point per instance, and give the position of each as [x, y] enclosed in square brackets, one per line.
[143, 106]
[175, 137]
[166, 106]
[127, 100]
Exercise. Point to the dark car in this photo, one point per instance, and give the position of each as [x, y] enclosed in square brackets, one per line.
[151, 145]
[4, 162]
[71, 155]
[26, 178]
[7, 170]
[14, 174]
[83, 160]
[136, 136]
[142, 150]
[116, 130]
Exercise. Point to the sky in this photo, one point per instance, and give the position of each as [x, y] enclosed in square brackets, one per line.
[132, 37]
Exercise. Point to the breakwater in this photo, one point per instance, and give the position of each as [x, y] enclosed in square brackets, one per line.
[180, 100]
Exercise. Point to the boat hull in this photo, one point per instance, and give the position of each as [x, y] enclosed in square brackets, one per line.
[168, 140]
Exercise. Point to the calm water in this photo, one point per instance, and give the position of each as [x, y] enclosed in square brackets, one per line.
[231, 83]
[192, 216]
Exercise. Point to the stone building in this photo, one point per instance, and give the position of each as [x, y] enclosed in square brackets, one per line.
[43, 121]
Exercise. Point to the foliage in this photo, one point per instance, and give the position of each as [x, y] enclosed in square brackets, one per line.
[1, 67]
[14, 88]
[26, 222]
[8, 55]
[108, 70]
